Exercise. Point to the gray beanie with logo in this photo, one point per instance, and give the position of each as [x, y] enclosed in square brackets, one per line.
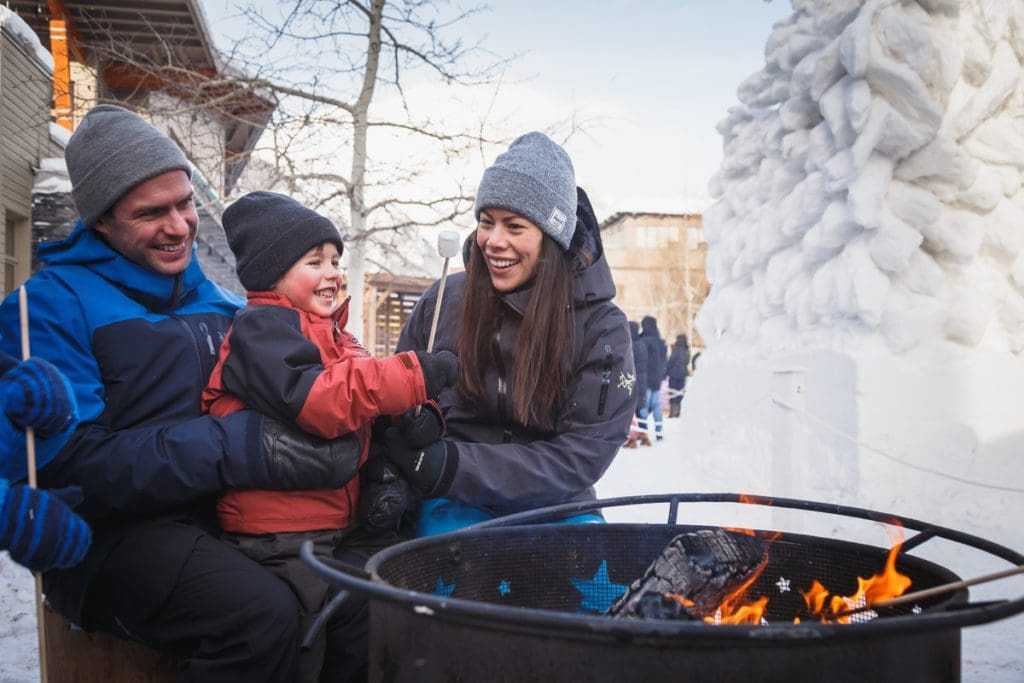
[111, 152]
[534, 179]
[268, 232]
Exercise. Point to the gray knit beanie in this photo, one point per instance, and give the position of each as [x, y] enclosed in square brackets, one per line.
[268, 232]
[534, 179]
[111, 152]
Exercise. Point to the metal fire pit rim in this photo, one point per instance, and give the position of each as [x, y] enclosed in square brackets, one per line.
[488, 613]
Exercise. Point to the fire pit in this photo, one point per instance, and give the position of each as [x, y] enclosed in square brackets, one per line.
[519, 601]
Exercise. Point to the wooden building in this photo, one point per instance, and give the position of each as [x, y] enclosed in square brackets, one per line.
[25, 139]
[152, 56]
[657, 262]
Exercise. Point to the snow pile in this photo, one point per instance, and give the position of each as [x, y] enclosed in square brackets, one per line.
[872, 178]
[52, 176]
[26, 37]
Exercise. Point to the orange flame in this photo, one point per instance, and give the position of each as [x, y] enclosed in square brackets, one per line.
[880, 587]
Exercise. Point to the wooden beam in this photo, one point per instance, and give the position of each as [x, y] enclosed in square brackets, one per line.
[61, 74]
[58, 10]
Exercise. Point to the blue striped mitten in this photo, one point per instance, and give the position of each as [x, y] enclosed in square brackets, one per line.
[39, 529]
[35, 394]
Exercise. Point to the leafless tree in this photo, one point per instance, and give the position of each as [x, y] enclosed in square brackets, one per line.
[349, 78]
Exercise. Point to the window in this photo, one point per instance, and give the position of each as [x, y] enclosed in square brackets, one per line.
[694, 236]
[655, 236]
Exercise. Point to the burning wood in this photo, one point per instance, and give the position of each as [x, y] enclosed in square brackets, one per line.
[692, 576]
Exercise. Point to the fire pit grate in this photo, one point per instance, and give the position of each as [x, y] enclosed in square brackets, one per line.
[581, 569]
[513, 600]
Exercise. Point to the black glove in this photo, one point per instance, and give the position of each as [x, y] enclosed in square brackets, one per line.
[440, 370]
[425, 428]
[430, 469]
[384, 497]
[382, 506]
[299, 461]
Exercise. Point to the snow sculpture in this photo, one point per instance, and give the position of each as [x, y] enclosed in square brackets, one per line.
[872, 179]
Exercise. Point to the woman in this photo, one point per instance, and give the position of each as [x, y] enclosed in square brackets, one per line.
[547, 388]
[678, 363]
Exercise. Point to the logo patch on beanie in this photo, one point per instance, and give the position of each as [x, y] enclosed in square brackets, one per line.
[556, 222]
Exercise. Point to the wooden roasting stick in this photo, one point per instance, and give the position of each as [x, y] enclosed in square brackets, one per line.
[30, 449]
[931, 592]
[447, 247]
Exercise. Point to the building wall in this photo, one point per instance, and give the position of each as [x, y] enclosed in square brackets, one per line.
[657, 262]
[25, 93]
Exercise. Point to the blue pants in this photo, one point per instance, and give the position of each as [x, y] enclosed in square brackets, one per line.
[650, 405]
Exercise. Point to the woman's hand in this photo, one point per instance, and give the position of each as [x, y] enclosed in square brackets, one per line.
[430, 468]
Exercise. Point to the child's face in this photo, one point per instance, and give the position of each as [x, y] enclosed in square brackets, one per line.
[313, 282]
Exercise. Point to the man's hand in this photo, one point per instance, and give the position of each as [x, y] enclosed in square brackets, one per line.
[35, 394]
[440, 370]
[39, 529]
[430, 469]
[299, 461]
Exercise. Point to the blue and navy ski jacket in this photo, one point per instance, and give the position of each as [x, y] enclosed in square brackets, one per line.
[138, 348]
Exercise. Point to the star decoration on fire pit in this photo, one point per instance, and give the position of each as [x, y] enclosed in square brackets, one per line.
[783, 584]
[916, 609]
[504, 587]
[444, 590]
[599, 592]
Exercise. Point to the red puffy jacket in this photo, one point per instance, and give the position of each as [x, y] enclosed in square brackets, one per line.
[304, 369]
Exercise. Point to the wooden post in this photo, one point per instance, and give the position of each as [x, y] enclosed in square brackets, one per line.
[77, 656]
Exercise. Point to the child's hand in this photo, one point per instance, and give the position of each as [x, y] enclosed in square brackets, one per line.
[440, 370]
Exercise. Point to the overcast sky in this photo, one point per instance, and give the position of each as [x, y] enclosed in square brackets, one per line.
[655, 76]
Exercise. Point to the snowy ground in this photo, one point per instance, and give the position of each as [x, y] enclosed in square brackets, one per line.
[991, 653]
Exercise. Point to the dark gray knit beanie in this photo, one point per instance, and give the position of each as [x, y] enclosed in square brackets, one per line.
[268, 232]
[534, 179]
[111, 152]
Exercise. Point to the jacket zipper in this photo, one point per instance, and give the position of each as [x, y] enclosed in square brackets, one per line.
[195, 345]
[506, 436]
[606, 379]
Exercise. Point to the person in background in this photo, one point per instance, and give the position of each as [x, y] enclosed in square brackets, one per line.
[124, 311]
[37, 528]
[652, 342]
[547, 385]
[677, 370]
[289, 355]
[640, 363]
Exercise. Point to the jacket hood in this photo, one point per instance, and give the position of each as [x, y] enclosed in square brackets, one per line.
[634, 330]
[650, 326]
[84, 247]
[593, 280]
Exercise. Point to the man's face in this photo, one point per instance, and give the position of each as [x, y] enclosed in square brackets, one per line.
[155, 224]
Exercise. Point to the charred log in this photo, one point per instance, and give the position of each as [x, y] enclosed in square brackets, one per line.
[700, 568]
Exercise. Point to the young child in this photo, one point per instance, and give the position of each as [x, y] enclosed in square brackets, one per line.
[288, 355]
[37, 528]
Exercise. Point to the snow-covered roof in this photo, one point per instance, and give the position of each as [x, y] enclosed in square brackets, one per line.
[16, 27]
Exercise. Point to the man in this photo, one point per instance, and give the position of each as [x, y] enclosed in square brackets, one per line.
[124, 310]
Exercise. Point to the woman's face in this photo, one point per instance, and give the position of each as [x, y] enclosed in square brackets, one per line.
[511, 247]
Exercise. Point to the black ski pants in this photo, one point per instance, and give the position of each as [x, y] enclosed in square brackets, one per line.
[228, 617]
